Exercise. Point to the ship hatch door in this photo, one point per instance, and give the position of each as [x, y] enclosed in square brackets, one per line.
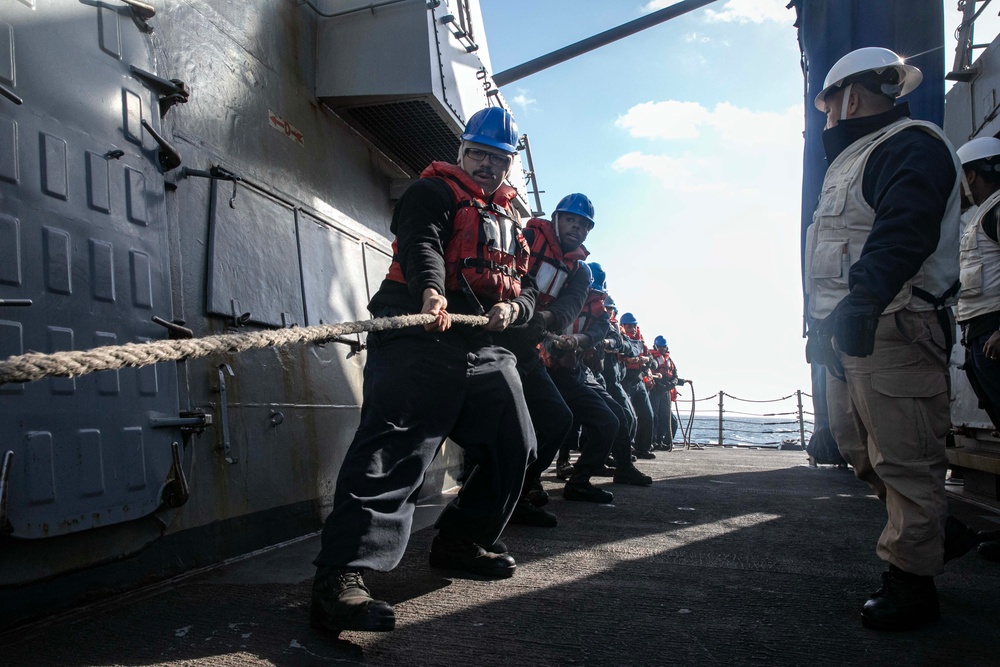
[83, 236]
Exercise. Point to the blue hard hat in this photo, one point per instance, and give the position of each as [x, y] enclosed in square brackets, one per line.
[600, 278]
[494, 127]
[590, 274]
[628, 318]
[610, 303]
[576, 204]
[659, 341]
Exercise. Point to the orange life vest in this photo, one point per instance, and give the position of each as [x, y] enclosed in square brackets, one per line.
[486, 254]
[548, 265]
[593, 310]
[632, 363]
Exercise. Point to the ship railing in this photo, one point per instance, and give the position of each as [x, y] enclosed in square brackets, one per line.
[784, 423]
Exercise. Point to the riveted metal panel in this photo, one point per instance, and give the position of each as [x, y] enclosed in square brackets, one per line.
[109, 32]
[108, 382]
[142, 280]
[132, 458]
[253, 257]
[8, 151]
[377, 263]
[58, 267]
[332, 265]
[11, 344]
[55, 179]
[7, 68]
[98, 183]
[91, 479]
[148, 385]
[132, 116]
[93, 257]
[60, 339]
[135, 195]
[10, 251]
[39, 473]
[102, 270]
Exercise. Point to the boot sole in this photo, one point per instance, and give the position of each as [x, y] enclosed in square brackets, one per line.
[370, 621]
[633, 482]
[505, 573]
[588, 499]
[897, 626]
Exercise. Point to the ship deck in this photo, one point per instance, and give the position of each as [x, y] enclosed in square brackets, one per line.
[733, 556]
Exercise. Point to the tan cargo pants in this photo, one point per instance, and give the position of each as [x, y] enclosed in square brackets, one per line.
[890, 419]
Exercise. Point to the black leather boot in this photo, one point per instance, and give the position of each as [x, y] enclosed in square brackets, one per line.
[904, 602]
[452, 553]
[580, 488]
[629, 474]
[341, 601]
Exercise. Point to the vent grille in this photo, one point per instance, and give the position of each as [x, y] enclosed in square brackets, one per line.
[412, 133]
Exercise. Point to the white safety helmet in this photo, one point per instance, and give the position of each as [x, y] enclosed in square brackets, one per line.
[979, 149]
[870, 59]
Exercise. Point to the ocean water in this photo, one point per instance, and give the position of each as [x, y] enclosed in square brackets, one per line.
[743, 430]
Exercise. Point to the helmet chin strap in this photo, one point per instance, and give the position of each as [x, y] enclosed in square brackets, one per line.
[555, 225]
[967, 188]
[844, 101]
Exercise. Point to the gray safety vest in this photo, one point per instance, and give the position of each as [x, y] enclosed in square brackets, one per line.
[980, 257]
[843, 220]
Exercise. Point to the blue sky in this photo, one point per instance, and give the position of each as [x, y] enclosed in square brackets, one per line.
[688, 139]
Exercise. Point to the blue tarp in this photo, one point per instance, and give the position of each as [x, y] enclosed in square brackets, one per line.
[829, 29]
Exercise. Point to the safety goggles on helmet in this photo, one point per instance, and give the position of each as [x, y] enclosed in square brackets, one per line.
[876, 62]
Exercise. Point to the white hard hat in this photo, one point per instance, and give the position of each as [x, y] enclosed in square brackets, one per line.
[870, 59]
[979, 149]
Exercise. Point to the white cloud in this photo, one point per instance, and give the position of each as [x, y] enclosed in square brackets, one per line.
[675, 120]
[523, 100]
[752, 11]
[697, 38]
[738, 151]
[664, 120]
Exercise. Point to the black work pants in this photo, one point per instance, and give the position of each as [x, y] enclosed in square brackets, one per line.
[617, 392]
[550, 415]
[420, 388]
[590, 410]
[621, 449]
[644, 416]
[659, 399]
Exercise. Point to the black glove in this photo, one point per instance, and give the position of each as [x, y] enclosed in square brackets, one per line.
[819, 350]
[853, 322]
[537, 327]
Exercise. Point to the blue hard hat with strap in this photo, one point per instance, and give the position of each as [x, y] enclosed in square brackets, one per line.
[577, 204]
[494, 127]
[590, 275]
[628, 318]
[659, 341]
[600, 278]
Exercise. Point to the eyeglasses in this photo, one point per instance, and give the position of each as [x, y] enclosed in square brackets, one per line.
[477, 154]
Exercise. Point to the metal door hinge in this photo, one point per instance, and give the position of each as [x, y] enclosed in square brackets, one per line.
[169, 91]
[5, 466]
[176, 492]
[167, 155]
[188, 421]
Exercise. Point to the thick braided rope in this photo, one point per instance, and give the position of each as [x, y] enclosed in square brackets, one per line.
[73, 363]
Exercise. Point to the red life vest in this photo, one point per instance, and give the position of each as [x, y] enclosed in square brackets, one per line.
[593, 310]
[632, 363]
[487, 253]
[664, 366]
[548, 265]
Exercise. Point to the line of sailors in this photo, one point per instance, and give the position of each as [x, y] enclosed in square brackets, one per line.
[550, 360]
